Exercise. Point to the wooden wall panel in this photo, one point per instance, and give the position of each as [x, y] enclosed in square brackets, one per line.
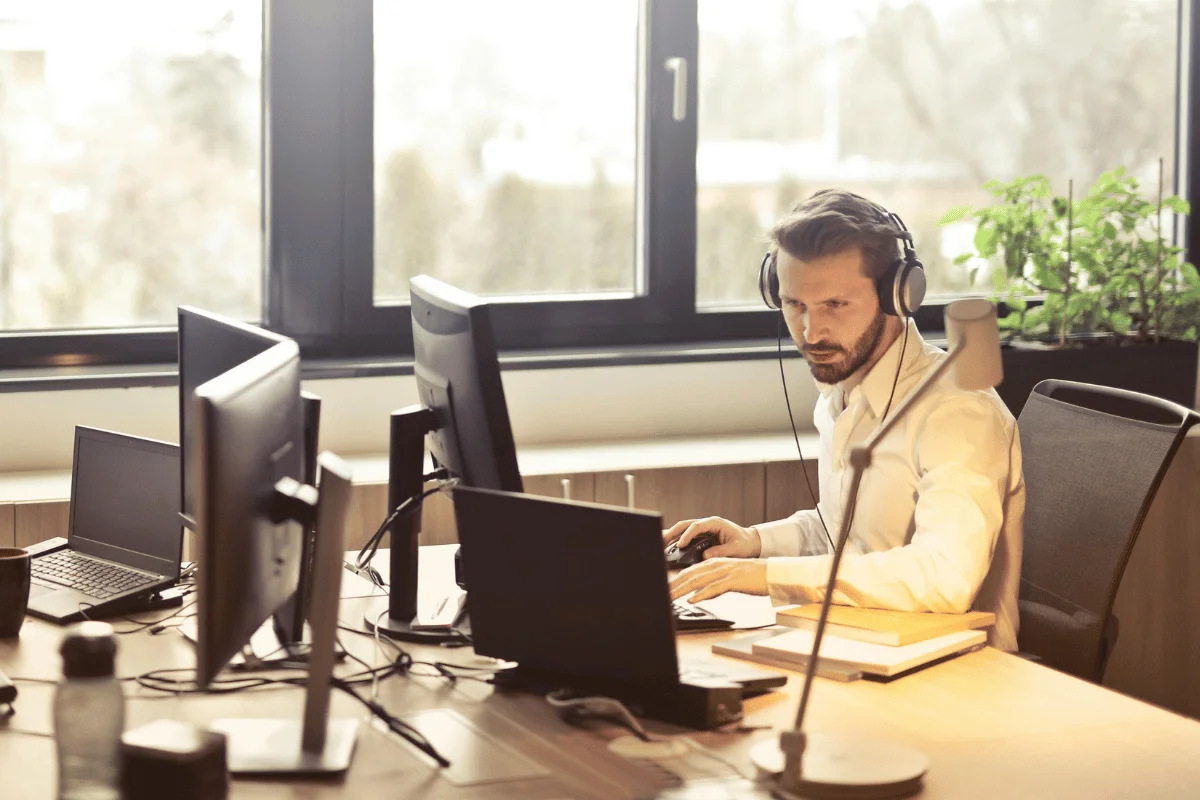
[583, 485]
[40, 520]
[7, 525]
[1157, 656]
[733, 491]
[786, 489]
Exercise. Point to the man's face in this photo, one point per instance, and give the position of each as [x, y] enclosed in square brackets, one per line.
[832, 311]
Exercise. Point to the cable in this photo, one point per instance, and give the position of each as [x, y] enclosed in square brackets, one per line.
[156, 681]
[853, 505]
[409, 506]
[796, 435]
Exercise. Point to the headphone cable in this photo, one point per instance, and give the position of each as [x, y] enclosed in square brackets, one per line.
[796, 435]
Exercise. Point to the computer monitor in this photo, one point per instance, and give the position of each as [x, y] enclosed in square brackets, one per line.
[463, 417]
[210, 345]
[252, 512]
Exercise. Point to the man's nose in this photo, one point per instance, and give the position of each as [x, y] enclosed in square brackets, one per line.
[813, 329]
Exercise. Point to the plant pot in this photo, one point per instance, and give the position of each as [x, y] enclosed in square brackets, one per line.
[1166, 369]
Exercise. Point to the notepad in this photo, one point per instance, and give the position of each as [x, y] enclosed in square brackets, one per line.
[879, 626]
[874, 659]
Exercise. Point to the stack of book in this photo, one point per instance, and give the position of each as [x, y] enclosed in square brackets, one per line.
[862, 641]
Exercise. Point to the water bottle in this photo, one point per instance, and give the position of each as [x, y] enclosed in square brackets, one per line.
[89, 715]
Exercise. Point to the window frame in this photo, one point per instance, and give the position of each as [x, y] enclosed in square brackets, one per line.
[318, 242]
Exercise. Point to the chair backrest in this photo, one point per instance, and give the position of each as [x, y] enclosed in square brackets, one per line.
[1093, 459]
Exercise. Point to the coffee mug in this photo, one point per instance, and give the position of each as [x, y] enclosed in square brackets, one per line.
[14, 589]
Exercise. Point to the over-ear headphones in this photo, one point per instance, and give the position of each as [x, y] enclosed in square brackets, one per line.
[901, 288]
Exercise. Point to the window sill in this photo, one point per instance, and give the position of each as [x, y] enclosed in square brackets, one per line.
[124, 377]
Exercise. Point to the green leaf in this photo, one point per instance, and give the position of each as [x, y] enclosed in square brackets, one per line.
[971, 273]
[1109, 230]
[985, 241]
[1177, 204]
[955, 214]
[964, 258]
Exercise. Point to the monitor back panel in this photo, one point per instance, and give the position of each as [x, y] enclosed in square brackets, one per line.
[567, 588]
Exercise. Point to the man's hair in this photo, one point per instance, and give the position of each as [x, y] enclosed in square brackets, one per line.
[833, 221]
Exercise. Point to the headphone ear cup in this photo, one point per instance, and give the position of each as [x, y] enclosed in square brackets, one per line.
[768, 282]
[913, 290]
[886, 288]
[902, 287]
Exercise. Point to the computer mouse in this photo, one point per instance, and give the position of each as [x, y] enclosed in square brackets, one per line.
[680, 557]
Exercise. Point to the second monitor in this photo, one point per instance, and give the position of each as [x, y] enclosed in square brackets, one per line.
[463, 416]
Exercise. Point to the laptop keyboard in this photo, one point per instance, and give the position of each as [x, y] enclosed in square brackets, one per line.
[688, 617]
[95, 578]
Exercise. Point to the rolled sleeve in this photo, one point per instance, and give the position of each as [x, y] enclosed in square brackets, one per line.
[799, 534]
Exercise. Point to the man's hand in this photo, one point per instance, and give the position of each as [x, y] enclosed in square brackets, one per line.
[736, 541]
[715, 577]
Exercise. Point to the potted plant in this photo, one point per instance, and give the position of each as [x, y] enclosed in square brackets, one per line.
[1092, 288]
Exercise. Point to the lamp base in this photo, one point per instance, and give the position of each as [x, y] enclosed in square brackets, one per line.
[843, 767]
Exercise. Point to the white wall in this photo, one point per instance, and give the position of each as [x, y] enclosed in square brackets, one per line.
[546, 406]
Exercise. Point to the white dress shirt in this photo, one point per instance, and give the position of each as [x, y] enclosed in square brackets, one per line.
[938, 519]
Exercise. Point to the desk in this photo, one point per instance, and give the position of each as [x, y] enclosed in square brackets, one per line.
[992, 725]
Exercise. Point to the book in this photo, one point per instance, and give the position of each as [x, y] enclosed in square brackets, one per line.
[743, 647]
[895, 628]
[868, 657]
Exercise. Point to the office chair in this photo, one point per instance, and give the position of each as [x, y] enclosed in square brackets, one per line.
[1093, 458]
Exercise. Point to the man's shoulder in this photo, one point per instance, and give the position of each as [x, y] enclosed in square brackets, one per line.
[946, 398]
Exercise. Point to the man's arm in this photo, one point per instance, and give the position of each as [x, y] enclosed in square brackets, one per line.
[959, 513]
[801, 534]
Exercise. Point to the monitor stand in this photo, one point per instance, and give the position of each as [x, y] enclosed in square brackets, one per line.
[316, 744]
[393, 616]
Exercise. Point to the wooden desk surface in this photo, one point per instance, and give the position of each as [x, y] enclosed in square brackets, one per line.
[992, 725]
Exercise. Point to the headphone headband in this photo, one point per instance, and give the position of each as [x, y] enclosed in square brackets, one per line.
[901, 288]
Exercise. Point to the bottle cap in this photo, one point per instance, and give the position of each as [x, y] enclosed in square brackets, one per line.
[88, 650]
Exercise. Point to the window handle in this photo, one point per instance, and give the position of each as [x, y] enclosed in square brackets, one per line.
[678, 67]
[629, 492]
[566, 488]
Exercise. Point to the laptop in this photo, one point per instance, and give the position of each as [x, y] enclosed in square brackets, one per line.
[124, 540]
[577, 594]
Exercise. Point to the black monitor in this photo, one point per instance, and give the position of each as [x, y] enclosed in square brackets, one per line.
[252, 514]
[210, 345]
[463, 417]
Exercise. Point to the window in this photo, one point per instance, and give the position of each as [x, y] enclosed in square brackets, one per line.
[915, 105]
[505, 145]
[129, 161]
[604, 170]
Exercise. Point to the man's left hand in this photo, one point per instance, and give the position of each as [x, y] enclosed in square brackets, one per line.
[716, 576]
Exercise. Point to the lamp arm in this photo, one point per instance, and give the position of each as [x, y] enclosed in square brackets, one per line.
[860, 459]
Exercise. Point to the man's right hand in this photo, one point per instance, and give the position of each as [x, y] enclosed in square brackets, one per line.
[736, 541]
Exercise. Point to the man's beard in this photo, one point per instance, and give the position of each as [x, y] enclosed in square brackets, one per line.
[840, 369]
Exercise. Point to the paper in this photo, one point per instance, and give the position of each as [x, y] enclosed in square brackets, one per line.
[746, 610]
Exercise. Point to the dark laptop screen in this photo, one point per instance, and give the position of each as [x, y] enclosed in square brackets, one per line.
[125, 500]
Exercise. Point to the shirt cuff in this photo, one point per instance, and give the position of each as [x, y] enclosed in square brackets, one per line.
[782, 538]
[797, 580]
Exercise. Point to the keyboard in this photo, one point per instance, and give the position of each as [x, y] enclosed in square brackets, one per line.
[693, 618]
[94, 578]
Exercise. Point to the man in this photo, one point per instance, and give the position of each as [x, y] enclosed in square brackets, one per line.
[938, 520]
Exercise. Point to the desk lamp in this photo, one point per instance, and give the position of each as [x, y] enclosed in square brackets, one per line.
[826, 765]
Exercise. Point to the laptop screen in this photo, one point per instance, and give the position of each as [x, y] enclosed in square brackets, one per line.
[125, 500]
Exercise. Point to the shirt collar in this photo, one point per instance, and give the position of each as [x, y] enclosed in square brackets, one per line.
[877, 382]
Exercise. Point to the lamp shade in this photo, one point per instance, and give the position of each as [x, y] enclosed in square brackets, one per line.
[971, 324]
